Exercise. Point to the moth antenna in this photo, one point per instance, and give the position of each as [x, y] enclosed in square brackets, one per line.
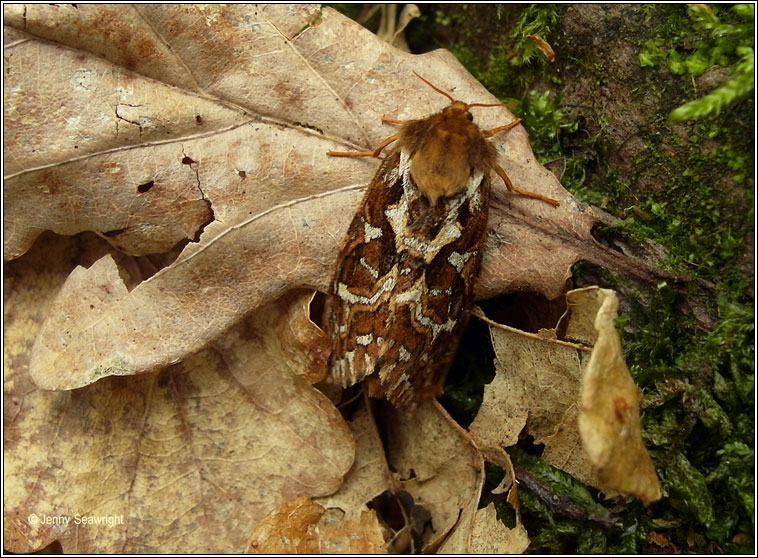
[437, 89]
[485, 105]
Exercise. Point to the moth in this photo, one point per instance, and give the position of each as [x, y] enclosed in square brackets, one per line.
[404, 280]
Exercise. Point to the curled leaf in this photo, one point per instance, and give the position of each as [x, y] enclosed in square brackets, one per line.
[609, 419]
[545, 48]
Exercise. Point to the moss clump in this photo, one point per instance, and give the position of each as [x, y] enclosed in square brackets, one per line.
[729, 45]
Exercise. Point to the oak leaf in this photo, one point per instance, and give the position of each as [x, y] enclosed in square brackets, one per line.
[244, 131]
[609, 419]
[430, 469]
[304, 527]
[185, 459]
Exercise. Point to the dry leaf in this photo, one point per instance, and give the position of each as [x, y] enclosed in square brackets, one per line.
[434, 460]
[609, 420]
[265, 92]
[582, 306]
[585, 410]
[189, 446]
[663, 542]
[302, 527]
[536, 386]
[478, 530]
[430, 461]
[490, 536]
[286, 529]
[545, 48]
[370, 475]
[185, 460]
[392, 25]
[695, 539]
[428, 457]
[304, 346]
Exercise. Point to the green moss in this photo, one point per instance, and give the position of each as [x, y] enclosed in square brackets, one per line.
[542, 115]
[448, 19]
[535, 20]
[573, 518]
[687, 490]
[514, 60]
[697, 388]
[734, 89]
[707, 43]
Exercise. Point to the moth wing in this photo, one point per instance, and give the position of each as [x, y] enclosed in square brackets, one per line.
[431, 302]
[358, 306]
[403, 286]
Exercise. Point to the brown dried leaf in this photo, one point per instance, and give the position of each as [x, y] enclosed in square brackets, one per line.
[435, 461]
[609, 420]
[262, 93]
[302, 527]
[582, 306]
[536, 386]
[432, 459]
[663, 542]
[585, 410]
[490, 536]
[429, 457]
[545, 48]
[288, 529]
[148, 117]
[479, 531]
[304, 346]
[370, 475]
[185, 460]
[86, 140]
[164, 451]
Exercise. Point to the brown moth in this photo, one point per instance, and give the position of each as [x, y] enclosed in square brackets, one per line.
[405, 276]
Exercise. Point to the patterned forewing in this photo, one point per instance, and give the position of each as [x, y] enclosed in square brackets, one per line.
[357, 308]
[437, 271]
[404, 285]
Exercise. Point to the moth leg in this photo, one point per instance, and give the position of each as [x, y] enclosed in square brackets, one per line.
[526, 193]
[493, 131]
[388, 120]
[374, 153]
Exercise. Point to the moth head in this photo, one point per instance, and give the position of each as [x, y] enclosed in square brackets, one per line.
[458, 109]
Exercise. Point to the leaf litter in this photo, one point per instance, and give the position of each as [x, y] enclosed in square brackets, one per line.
[206, 128]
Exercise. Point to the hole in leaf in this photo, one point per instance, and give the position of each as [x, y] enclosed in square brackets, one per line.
[142, 188]
[387, 507]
